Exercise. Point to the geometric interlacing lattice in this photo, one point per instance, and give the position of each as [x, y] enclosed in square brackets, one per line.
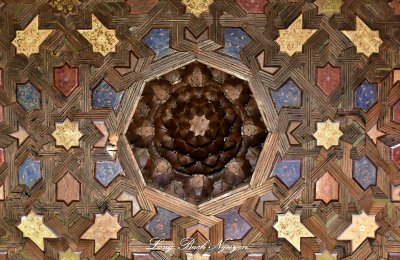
[272, 123]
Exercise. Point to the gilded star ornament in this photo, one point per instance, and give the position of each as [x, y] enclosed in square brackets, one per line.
[32, 226]
[67, 134]
[328, 133]
[291, 40]
[102, 39]
[69, 255]
[105, 227]
[329, 7]
[290, 227]
[366, 40]
[197, 7]
[28, 40]
[362, 226]
[64, 6]
[197, 256]
[325, 256]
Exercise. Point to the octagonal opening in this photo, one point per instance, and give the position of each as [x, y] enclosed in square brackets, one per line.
[197, 132]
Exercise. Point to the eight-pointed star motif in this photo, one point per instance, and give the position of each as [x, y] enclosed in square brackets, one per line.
[361, 227]
[325, 256]
[102, 39]
[28, 40]
[32, 226]
[290, 227]
[69, 255]
[328, 133]
[329, 7]
[292, 39]
[67, 134]
[197, 7]
[197, 256]
[105, 227]
[366, 40]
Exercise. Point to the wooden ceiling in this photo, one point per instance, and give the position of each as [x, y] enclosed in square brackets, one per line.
[311, 170]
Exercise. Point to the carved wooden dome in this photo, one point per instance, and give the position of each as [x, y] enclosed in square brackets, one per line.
[197, 132]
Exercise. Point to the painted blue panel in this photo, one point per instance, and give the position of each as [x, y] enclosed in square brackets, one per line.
[160, 225]
[159, 40]
[235, 40]
[105, 96]
[288, 95]
[106, 171]
[28, 96]
[366, 95]
[29, 172]
[288, 171]
[364, 172]
[235, 227]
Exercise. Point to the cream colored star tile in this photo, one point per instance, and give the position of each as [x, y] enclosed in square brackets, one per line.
[362, 226]
[366, 40]
[197, 7]
[197, 256]
[32, 226]
[102, 39]
[291, 40]
[27, 41]
[105, 227]
[67, 134]
[328, 133]
[374, 133]
[290, 227]
[329, 7]
[69, 255]
[325, 256]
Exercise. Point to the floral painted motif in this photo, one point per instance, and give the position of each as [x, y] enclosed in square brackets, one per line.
[329, 7]
[291, 40]
[197, 7]
[325, 256]
[328, 133]
[366, 40]
[64, 6]
[32, 227]
[69, 255]
[362, 226]
[105, 227]
[28, 40]
[67, 134]
[102, 39]
[290, 227]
